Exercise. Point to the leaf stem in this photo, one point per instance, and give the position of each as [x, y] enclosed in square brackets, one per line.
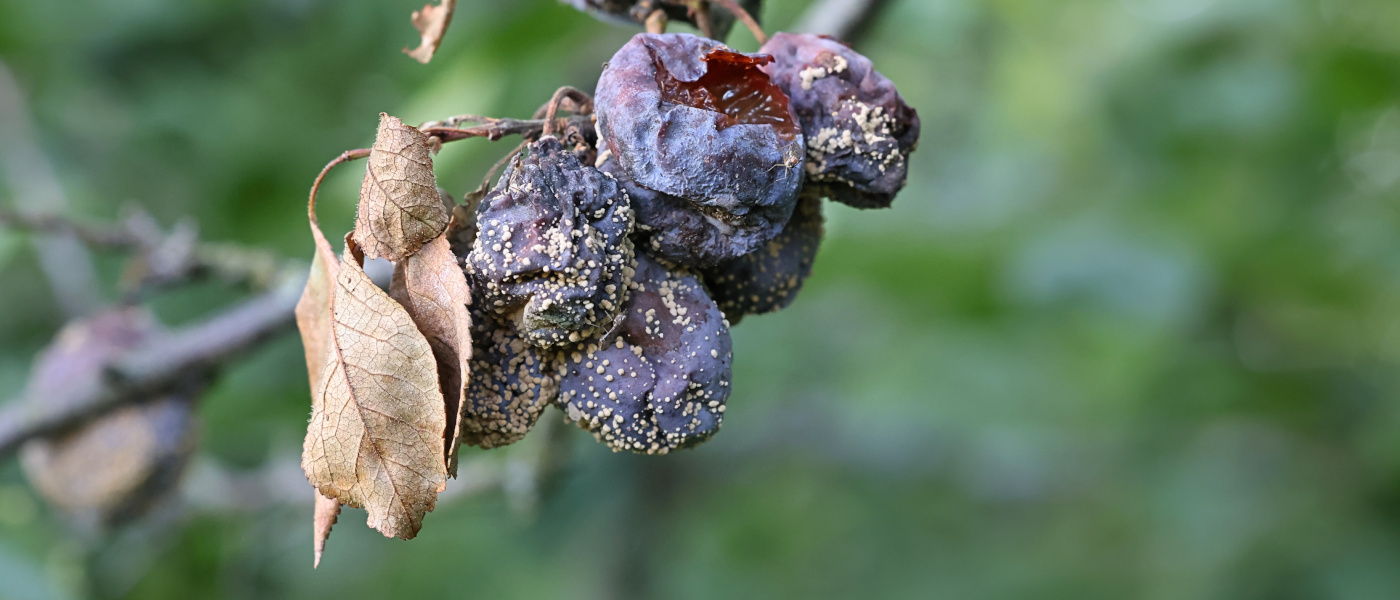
[744, 16]
[344, 157]
[583, 104]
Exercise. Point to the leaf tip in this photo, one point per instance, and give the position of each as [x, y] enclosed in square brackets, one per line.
[327, 511]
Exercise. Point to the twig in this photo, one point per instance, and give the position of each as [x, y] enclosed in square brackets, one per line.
[746, 18]
[163, 363]
[168, 258]
[700, 12]
[66, 264]
[582, 104]
[846, 20]
[460, 119]
[106, 237]
[495, 129]
[344, 157]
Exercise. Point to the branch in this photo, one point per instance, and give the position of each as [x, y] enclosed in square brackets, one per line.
[181, 357]
[106, 237]
[745, 18]
[846, 20]
[167, 258]
[495, 129]
[65, 263]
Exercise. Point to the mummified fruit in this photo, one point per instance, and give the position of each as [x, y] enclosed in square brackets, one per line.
[768, 279]
[552, 246]
[687, 117]
[510, 384]
[859, 130]
[679, 231]
[660, 380]
[117, 467]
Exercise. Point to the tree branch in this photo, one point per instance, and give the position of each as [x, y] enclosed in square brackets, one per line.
[495, 129]
[66, 264]
[182, 357]
[745, 18]
[166, 257]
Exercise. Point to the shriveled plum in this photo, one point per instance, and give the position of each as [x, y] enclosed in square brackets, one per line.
[680, 231]
[689, 118]
[510, 384]
[660, 380]
[858, 128]
[768, 280]
[552, 246]
[117, 467]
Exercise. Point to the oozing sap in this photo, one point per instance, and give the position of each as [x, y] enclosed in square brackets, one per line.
[734, 86]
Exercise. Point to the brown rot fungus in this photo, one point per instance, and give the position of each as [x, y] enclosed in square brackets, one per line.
[510, 384]
[859, 130]
[660, 381]
[552, 246]
[768, 279]
[706, 130]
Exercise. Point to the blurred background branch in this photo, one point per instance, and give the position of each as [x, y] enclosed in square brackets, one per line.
[846, 20]
[189, 354]
[36, 189]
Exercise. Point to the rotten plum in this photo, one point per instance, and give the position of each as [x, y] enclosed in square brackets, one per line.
[859, 130]
[510, 384]
[676, 230]
[552, 246]
[768, 280]
[660, 380]
[121, 465]
[704, 126]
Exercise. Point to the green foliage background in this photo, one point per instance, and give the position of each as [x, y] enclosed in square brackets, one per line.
[1131, 331]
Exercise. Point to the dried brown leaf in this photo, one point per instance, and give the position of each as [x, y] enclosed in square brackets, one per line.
[431, 23]
[433, 288]
[313, 313]
[313, 310]
[400, 209]
[326, 512]
[377, 421]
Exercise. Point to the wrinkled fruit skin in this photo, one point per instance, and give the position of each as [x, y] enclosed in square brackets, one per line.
[510, 384]
[679, 231]
[660, 381]
[859, 130]
[768, 280]
[552, 241]
[686, 117]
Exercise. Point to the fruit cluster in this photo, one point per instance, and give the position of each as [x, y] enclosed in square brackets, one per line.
[609, 288]
[601, 273]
